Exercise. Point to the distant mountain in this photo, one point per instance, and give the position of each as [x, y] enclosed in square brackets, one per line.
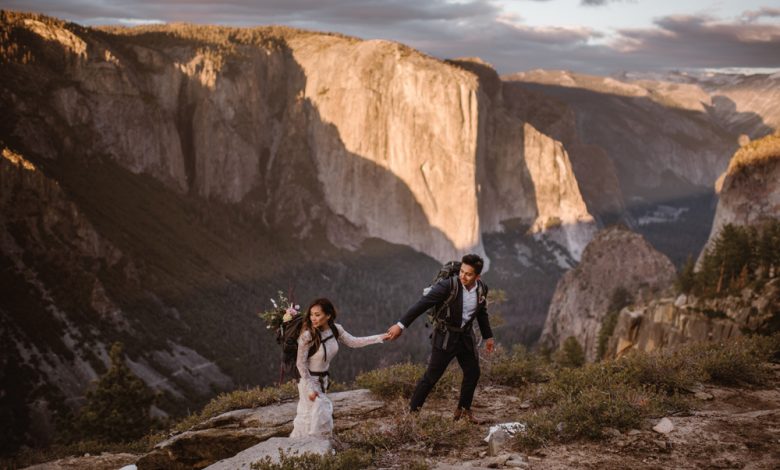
[656, 316]
[665, 137]
[749, 191]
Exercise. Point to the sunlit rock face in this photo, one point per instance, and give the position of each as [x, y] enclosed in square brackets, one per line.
[395, 141]
[615, 259]
[668, 323]
[397, 145]
[749, 191]
[525, 174]
[655, 133]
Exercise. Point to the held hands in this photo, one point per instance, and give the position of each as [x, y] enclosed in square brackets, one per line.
[393, 332]
[490, 345]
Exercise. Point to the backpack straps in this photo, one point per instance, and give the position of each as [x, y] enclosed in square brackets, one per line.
[454, 288]
[313, 350]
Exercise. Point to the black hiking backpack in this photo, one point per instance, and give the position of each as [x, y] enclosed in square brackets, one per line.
[439, 314]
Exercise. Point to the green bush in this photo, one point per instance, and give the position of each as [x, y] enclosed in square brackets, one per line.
[436, 434]
[586, 413]
[400, 380]
[117, 409]
[582, 402]
[571, 354]
[347, 460]
[739, 361]
[517, 369]
[665, 372]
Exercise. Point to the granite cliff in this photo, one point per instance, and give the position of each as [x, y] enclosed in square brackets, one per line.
[748, 190]
[665, 137]
[615, 259]
[748, 196]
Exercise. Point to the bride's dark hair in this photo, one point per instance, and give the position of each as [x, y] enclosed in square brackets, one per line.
[327, 307]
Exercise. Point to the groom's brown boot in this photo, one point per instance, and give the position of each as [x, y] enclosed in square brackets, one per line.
[466, 413]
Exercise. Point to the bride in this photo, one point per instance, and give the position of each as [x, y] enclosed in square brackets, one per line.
[321, 333]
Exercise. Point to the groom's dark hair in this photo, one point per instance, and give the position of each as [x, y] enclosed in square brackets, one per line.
[475, 261]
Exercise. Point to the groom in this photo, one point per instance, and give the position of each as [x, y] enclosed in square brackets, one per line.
[453, 336]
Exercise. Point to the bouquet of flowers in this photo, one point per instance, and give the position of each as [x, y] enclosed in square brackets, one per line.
[284, 310]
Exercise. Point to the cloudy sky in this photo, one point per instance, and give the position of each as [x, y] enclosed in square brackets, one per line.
[592, 36]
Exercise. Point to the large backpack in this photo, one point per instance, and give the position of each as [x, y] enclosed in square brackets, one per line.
[287, 335]
[439, 315]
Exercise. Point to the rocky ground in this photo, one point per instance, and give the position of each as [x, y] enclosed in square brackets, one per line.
[729, 427]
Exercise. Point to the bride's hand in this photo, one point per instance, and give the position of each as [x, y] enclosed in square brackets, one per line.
[312, 396]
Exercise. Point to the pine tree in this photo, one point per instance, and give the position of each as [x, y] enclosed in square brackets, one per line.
[117, 410]
[768, 249]
[571, 353]
[686, 278]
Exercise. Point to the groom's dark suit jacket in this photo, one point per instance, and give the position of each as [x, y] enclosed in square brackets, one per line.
[438, 295]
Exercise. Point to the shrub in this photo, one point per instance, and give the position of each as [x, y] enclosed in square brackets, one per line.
[587, 413]
[347, 460]
[740, 361]
[619, 393]
[117, 410]
[669, 372]
[434, 433]
[400, 380]
[517, 369]
[571, 353]
[584, 401]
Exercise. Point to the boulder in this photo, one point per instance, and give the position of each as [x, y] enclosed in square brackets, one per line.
[226, 435]
[664, 426]
[272, 449]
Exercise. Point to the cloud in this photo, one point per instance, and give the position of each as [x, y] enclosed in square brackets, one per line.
[267, 11]
[450, 28]
[751, 16]
[701, 41]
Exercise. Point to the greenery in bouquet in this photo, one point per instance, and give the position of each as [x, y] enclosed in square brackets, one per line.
[283, 311]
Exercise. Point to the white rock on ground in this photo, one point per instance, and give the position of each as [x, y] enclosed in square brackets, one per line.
[664, 426]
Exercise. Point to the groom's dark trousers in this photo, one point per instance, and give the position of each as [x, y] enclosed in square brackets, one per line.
[461, 347]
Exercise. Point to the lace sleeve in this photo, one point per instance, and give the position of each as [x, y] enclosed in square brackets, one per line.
[359, 341]
[302, 361]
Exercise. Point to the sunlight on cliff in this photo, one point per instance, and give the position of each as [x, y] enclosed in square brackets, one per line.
[18, 160]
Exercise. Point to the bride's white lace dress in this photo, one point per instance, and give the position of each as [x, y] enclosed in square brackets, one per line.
[315, 418]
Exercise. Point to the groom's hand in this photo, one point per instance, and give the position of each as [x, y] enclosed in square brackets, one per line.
[490, 345]
[394, 332]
